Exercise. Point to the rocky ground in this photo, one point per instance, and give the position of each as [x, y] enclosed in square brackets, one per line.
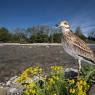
[15, 58]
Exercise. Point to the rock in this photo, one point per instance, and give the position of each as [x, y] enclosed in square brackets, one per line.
[12, 81]
[92, 90]
[70, 72]
[3, 91]
[13, 88]
[14, 91]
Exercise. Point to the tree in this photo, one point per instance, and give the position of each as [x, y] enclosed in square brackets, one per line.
[39, 38]
[91, 36]
[19, 36]
[79, 33]
[35, 34]
[39, 34]
[4, 35]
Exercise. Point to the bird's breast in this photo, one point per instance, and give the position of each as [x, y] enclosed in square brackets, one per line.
[69, 49]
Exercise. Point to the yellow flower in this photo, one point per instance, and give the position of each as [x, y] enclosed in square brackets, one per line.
[29, 71]
[81, 93]
[31, 84]
[81, 81]
[72, 90]
[55, 77]
[54, 94]
[71, 81]
[84, 83]
[51, 81]
[57, 68]
[25, 92]
[33, 91]
[88, 86]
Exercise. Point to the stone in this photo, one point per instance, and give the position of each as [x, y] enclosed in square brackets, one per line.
[92, 90]
[71, 72]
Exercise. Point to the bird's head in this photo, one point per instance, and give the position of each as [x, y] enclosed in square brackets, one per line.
[63, 25]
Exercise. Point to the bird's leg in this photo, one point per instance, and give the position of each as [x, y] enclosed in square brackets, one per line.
[79, 69]
[79, 65]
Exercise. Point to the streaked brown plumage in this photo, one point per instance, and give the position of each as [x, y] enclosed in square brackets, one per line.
[74, 46]
[79, 46]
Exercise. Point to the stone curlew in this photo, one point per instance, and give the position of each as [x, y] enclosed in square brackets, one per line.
[75, 46]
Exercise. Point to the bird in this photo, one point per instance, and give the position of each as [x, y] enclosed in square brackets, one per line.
[74, 45]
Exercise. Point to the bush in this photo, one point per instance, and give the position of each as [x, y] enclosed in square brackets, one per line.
[35, 82]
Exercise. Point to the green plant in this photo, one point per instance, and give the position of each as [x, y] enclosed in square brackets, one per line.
[35, 82]
[88, 73]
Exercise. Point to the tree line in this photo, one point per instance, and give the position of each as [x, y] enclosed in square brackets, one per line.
[37, 34]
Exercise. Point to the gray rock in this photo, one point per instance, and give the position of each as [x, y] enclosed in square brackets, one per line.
[71, 72]
[92, 90]
[14, 91]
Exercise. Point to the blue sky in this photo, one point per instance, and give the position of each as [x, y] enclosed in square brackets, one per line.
[26, 13]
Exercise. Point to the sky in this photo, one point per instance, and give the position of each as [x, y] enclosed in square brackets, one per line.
[27, 13]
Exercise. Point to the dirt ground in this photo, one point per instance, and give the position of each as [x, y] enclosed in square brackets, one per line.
[15, 58]
[3, 91]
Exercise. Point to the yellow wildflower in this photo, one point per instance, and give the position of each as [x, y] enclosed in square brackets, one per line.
[71, 81]
[57, 68]
[54, 94]
[55, 77]
[72, 90]
[51, 81]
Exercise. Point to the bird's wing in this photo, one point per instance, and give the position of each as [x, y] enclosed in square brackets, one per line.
[81, 47]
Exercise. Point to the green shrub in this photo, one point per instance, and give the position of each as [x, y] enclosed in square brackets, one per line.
[35, 82]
